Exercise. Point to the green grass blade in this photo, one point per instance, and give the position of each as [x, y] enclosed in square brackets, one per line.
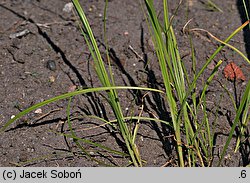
[243, 105]
[94, 144]
[191, 88]
[104, 78]
[67, 95]
[164, 60]
[246, 10]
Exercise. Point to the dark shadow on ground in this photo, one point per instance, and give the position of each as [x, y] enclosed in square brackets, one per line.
[246, 30]
[158, 105]
[244, 146]
[156, 102]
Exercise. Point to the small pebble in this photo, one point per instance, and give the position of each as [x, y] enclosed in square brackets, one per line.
[52, 79]
[92, 8]
[142, 138]
[19, 34]
[30, 149]
[68, 7]
[51, 65]
[12, 116]
[72, 88]
[38, 111]
[126, 33]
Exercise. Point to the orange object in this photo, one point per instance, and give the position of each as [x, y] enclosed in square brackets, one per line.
[233, 72]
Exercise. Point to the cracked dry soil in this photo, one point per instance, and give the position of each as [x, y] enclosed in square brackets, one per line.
[51, 58]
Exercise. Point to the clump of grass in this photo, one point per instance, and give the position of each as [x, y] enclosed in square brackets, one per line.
[194, 137]
[199, 145]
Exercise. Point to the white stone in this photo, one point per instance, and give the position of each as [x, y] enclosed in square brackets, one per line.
[68, 7]
[38, 111]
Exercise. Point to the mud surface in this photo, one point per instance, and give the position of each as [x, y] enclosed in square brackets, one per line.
[52, 58]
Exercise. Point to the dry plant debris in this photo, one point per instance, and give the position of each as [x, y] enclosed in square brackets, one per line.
[233, 72]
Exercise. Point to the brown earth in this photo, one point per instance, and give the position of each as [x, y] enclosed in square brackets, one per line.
[52, 59]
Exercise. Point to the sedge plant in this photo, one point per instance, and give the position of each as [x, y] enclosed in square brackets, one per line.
[108, 85]
[191, 137]
[193, 146]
